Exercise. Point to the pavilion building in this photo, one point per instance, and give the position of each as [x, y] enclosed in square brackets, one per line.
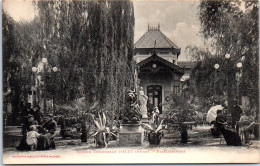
[160, 76]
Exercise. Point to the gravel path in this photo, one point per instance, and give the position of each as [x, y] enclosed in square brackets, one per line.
[201, 148]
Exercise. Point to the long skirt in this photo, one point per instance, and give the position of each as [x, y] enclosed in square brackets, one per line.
[23, 146]
[231, 136]
[46, 142]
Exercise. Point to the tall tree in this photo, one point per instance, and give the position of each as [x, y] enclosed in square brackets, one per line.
[91, 43]
[110, 72]
[234, 31]
[95, 37]
[15, 66]
[63, 28]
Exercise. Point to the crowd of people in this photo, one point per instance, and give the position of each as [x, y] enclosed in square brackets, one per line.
[37, 131]
[231, 131]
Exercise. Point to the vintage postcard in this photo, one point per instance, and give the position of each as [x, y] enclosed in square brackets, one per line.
[126, 82]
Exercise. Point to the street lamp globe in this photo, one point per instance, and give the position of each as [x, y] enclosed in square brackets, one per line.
[44, 60]
[239, 64]
[55, 69]
[227, 56]
[216, 66]
[34, 69]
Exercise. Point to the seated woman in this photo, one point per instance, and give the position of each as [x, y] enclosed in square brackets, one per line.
[215, 132]
[247, 118]
[230, 135]
[29, 120]
[46, 140]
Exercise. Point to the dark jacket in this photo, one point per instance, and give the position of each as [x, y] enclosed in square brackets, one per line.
[37, 116]
[51, 126]
[236, 113]
[220, 120]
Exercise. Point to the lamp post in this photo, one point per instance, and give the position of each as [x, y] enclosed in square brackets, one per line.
[34, 70]
[44, 74]
[54, 69]
[44, 61]
[216, 66]
[238, 76]
[229, 86]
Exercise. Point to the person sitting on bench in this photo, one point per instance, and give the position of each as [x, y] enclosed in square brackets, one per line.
[250, 127]
[230, 135]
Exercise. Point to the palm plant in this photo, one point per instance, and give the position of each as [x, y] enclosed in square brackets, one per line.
[155, 128]
[182, 112]
[155, 134]
[102, 131]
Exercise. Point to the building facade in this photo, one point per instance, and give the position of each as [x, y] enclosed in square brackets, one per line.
[160, 76]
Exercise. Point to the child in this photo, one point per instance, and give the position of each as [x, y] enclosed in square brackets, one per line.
[32, 136]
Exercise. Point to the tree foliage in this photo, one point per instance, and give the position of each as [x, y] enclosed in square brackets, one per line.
[110, 72]
[90, 42]
[233, 31]
[12, 75]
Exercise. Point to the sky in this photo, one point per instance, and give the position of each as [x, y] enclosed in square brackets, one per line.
[178, 19]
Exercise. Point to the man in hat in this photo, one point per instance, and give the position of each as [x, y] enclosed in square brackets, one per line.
[235, 113]
[50, 125]
[46, 141]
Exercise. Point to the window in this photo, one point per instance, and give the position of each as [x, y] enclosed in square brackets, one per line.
[176, 89]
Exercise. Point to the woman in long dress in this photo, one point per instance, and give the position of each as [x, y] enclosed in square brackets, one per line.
[29, 120]
[230, 135]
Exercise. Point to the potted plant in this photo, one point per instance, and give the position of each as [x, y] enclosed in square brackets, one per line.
[102, 131]
[182, 113]
[155, 133]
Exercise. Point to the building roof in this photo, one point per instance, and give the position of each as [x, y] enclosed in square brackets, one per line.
[152, 35]
[187, 64]
[155, 57]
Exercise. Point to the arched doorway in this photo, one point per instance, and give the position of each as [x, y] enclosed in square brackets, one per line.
[154, 93]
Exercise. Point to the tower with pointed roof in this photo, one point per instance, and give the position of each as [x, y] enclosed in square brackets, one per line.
[156, 57]
[164, 47]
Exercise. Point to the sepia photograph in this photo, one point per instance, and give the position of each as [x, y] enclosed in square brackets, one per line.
[130, 81]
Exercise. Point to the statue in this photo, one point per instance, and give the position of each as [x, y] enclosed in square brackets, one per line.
[143, 103]
[131, 131]
[132, 114]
